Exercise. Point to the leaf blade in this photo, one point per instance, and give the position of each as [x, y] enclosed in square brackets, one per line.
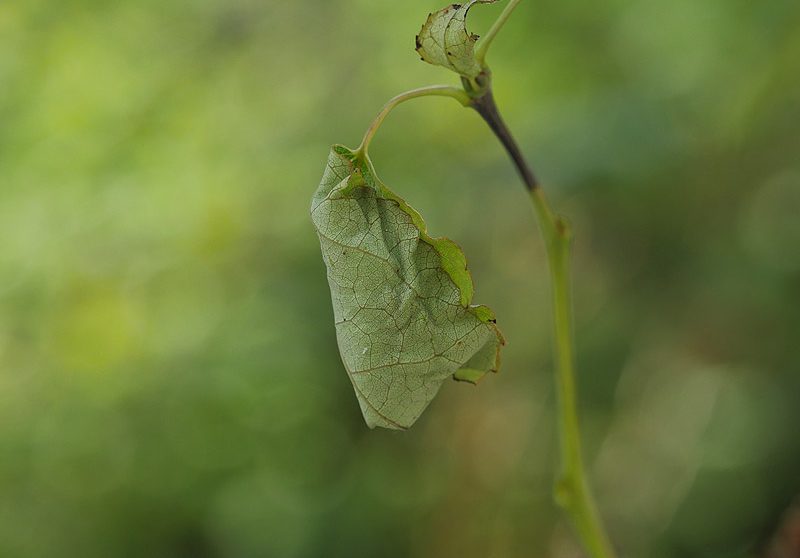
[401, 298]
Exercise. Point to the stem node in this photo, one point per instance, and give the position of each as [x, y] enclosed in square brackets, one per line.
[564, 492]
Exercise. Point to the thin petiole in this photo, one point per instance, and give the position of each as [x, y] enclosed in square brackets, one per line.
[431, 91]
[486, 41]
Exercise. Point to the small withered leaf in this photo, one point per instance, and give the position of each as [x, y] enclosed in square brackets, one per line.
[445, 41]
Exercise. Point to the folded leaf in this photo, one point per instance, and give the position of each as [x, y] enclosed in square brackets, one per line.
[401, 299]
[445, 41]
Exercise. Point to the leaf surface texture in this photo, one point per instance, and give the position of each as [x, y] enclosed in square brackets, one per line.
[401, 299]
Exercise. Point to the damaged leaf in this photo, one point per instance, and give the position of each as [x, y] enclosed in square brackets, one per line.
[445, 41]
[401, 299]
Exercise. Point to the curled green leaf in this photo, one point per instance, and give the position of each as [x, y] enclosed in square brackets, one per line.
[401, 299]
[445, 41]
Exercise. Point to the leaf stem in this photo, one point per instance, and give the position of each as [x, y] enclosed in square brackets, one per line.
[572, 490]
[483, 45]
[430, 91]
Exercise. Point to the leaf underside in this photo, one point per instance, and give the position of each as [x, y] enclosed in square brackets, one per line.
[445, 41]
[401, 299]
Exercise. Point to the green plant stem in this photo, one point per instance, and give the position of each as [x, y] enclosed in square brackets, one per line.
[431, 91]
[483, 45]
[572, 491]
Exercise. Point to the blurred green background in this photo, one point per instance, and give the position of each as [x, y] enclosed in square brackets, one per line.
[170, 384]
